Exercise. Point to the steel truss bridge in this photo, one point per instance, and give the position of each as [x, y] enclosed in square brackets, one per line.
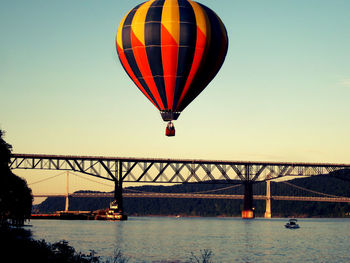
[151, 170]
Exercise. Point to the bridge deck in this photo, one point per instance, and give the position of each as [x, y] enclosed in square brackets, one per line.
[152, 170]
[201, 196]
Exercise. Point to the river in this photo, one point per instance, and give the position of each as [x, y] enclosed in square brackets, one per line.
[167, 239]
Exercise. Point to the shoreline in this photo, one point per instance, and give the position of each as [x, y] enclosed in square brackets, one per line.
[87, 215]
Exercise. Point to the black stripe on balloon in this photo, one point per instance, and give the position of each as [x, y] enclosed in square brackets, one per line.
[129, 54]
[187, 45]
[213, 60]
[153, 47]
[217, 47]
[182, 3]
[158, 3]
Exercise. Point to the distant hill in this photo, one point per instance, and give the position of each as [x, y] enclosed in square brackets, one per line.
[337, 184]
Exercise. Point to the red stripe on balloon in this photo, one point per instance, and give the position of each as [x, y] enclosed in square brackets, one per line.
[140, 55]
[170, 51]
[131, 74]
[197, 59]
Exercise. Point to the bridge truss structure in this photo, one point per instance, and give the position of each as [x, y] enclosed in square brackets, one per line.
[151, 170]
[146, 170]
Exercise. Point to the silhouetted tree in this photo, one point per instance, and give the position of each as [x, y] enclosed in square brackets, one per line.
[15, 196]
[5, 153]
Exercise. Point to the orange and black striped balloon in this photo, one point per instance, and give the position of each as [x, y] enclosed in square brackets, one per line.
[171, 49]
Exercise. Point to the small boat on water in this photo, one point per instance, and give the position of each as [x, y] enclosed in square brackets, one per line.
[292, 224]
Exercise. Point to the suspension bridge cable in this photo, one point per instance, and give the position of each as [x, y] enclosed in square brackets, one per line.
[200, 192]
[46, 179]
[82, 177]
[216, 190]
[311, 191]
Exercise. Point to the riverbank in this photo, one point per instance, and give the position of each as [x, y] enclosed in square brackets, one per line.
[93, 215]
[17, 245]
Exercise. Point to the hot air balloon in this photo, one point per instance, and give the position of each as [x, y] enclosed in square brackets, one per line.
[171, 49]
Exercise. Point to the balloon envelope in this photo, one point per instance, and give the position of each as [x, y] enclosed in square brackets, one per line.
[171, 49]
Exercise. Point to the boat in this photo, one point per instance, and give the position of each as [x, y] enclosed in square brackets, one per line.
[111, 213]
[292, 224]
[114, 213]
[65, 215]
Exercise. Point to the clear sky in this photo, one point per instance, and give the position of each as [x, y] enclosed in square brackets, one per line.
[282, 94]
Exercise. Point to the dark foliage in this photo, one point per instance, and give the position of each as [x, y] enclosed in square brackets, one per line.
[205, 257]
[18, 246]
[5, 152]
[15, 196]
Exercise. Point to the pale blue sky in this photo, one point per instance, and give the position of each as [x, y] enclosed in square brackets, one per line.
[282, 94]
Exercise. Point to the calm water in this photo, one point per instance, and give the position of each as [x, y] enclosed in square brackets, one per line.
[162, 239]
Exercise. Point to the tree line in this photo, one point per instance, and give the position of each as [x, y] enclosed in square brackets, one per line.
[15, 196]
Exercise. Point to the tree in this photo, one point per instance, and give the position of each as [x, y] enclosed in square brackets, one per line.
[15, 197]
[5, 153]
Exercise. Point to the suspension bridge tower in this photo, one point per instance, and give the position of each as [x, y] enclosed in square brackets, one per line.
[268, 199]
[67, 192]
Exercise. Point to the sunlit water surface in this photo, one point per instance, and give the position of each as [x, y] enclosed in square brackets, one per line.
[166, 239]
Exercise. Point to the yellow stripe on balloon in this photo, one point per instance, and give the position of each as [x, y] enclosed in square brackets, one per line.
[138, 22]
[170, 19]
[201, 18]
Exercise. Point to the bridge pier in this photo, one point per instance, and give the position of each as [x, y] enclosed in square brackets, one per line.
[268, 200]
[67, 193]
[118, 195]
[248, 210]
[116, 208]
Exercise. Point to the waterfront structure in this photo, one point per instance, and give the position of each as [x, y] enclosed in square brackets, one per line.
[151, 170]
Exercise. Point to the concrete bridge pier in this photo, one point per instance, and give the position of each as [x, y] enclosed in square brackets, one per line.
[118, 196]
[67, 193]
[117, 207]
[248, 209]
[268, 200]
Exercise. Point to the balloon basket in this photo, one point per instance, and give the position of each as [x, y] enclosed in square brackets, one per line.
[170, 129]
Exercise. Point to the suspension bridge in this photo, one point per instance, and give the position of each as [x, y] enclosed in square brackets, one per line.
[172, 171]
